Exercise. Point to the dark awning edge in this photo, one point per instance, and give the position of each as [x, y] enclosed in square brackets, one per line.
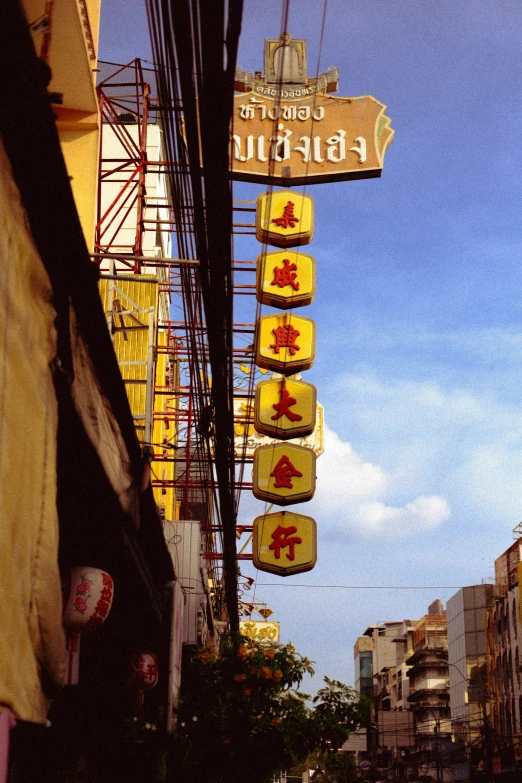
[32, 144]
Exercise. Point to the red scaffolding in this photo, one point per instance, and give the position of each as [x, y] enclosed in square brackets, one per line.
[127, 219]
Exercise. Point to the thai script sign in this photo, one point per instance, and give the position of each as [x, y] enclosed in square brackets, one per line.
[310, 139]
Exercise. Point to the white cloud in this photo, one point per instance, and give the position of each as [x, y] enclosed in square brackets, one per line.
[343, 477]
[350, 496]
[423, 513]
[464, 444]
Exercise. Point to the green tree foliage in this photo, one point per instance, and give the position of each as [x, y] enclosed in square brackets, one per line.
[242, 716]
[338, 712]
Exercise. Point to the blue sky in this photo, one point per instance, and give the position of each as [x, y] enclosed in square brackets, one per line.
[418, 310]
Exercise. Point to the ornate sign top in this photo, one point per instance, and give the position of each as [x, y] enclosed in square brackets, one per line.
[285, 68]
[286, 130]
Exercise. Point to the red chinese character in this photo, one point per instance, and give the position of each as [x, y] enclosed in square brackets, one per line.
[286, 275]
[107, 581]
[285, 337]
[151, 672]
[106, 594]
[288, 219]
[283, 537]
[283, 406]
[283, 473]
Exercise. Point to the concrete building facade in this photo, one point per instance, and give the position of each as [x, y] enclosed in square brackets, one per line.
[467, 660]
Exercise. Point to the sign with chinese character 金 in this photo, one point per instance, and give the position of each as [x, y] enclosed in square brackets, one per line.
[285, 279]
[284, 218]
[284, 543]
[285, 408]
[260, 630]
[285, 343]
[287, 130]
[283, 474]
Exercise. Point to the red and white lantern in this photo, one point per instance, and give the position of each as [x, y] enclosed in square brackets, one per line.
[144, 675]
[89, 602]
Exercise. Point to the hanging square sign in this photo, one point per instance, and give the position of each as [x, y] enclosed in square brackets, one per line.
[285, 408]
[284, 218]
[284, 543]
[284, 474]
[285, 279]
[285, 343]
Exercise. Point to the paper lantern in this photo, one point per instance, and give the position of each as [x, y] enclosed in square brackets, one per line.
[144, 676]
[88, 603]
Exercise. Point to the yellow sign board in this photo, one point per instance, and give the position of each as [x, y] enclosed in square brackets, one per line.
[285, 343]
[285, 279]
[285, 408]
[260, 630]
[284, 474]
[247, 439]
[284, 218]
[284, 543]
[318, 138]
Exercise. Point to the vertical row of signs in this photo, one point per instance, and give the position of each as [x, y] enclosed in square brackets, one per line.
[285, 407]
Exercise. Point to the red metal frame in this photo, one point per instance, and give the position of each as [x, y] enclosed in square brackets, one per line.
[127, 91]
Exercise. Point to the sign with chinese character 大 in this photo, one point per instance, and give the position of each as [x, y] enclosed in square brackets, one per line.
[284, 543]
[284, 218]
[285, 408]
[247, 439]
[285, 343]
[285, 279]
[283, 474]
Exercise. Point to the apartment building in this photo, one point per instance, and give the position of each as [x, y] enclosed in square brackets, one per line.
[467, 661]
[428, 676]
[503, 639]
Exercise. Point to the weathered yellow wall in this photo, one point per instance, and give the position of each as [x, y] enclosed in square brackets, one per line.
[80, 150]
[68, 43]
[32, 643]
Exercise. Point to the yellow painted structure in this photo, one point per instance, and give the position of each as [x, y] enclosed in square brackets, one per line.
[164, 430]
[284, 473]
[284, 218]
[284, 543]
[285, 408]
[285, 343]
[285, 279]
[65, 34]
[132, 316]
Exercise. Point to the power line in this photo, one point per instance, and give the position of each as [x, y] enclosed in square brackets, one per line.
[363, 587]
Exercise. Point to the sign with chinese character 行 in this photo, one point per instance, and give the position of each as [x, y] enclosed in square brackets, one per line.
[284, 543]
[285, 343]
[285, 279]
[285, 408]
[260, 630]
[283, 474]
[287, 130]
[284, 218]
